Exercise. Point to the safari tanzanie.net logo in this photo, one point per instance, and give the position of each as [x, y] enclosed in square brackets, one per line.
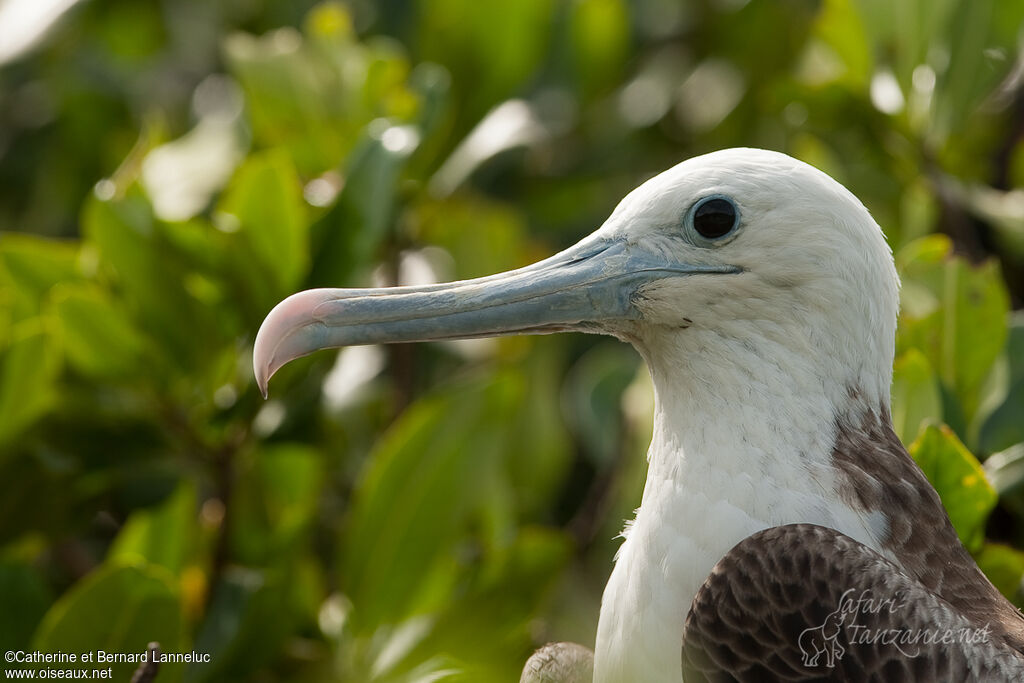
[864, 619]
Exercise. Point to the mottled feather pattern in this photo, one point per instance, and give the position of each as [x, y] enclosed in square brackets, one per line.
[880, 475]
[746, 622]
[748, 619]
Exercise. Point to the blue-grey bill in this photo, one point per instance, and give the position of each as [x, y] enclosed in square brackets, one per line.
[583, 288]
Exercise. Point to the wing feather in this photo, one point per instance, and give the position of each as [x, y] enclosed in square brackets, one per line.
[803, 602]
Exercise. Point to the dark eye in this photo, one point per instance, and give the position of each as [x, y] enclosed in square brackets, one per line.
[714, 217]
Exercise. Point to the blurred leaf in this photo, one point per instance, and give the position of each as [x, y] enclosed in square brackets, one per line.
[599, 31]
[265, 197]
[491, 48]
[313, 95]
[118, 610]
[905, 31]
[330, 21]
[245, 625]
[841, 27]
[982, 36]
[122, 231]
[99, 339]
[32, 265]
[352, 231]
[954, 313]
[740, 36]
[918, 213]
[276, 501]
[291, 94]
[1005, 470]
[422, 481]
[488, 628]
[148, 274]
[960, 480]
[915, 395]
[164, 535]
[181, 177]
[592, 399]
[483, 237]
[1004, 567]
[24, 599]
[1004, 426]
[28, 370]
[539, 449]
[432, 83]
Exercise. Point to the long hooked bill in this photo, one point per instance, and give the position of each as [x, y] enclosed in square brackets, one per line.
[583, 288]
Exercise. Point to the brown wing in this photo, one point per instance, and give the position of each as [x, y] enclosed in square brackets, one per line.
[806, 603]
[876, 473]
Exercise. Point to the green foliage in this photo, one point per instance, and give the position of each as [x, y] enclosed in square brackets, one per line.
[24, 600]
[955, 315]
[161, 535]
[956, 474]
[29, 367]
[264, 200]
[138, 604]
[169, 171]
[1004, 566]
[915, 394]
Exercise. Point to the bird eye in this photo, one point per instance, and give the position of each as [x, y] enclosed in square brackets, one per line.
[714, 217]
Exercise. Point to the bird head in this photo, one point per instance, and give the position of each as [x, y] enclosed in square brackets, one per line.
[737, 253]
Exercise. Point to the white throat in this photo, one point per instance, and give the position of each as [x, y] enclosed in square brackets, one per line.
[743, 437]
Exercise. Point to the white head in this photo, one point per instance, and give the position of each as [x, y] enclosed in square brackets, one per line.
[817, 291]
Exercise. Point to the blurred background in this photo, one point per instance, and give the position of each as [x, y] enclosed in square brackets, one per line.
[169, 170]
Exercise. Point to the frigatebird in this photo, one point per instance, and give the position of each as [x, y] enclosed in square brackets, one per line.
[784, 532]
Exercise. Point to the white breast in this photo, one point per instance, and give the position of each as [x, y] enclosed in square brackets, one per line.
[694, 511]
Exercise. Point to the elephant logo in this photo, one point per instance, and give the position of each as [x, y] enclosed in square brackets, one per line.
[823, 640]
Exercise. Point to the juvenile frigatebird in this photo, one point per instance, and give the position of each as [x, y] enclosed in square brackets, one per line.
[784, 532]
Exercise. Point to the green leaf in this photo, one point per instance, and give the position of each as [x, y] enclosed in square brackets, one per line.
[313, 97]
[122, 232]
[482, 236]
[164, 536]
[99, 338]
[276, 502]
[593, 394]
[1005, 470]
[24, 599]
[955, 314]
[960, 480]
[599, 31]
[424, 478]
[982, 37]
[840, 26]
[1004, 567]
[245, 624]
[905, 31]
[32, 265]
[491, 48]
[363, 216]
[149, 274]
[265, 197]
[539, 448]
[116, 609]
[915, 395]
[1004, 427]
[490, 625]
[28, 373]
[741, 38]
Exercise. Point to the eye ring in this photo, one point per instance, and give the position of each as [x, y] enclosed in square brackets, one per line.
[713, 219]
